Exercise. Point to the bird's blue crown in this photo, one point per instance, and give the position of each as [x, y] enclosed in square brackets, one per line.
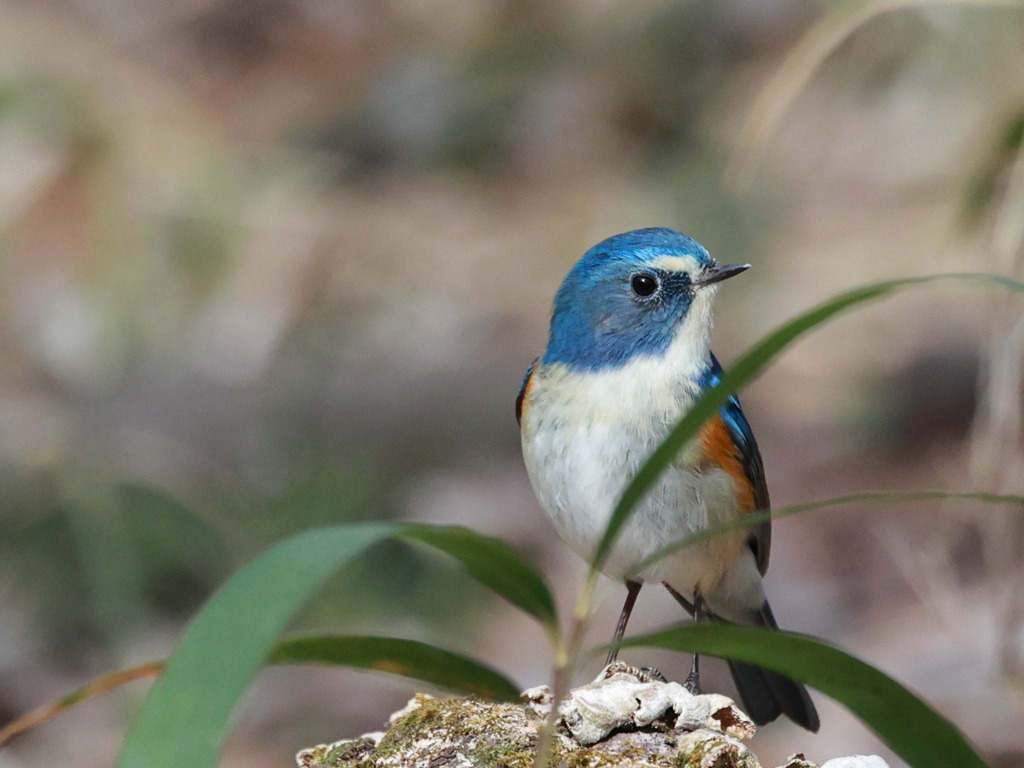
[625, 297]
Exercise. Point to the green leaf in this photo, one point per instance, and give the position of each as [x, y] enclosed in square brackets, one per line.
[745, 370]
[911, 728]
[408, 658]
[184, 720]
[986, 186]
[872, 497]
[495, 564]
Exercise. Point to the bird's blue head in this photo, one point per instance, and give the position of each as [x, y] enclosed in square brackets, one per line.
[630, 295]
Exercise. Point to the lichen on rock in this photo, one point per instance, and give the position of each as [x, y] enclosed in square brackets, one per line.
[438, 733]
[626, 718]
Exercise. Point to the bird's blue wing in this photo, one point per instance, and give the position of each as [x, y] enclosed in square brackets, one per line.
[760, 540]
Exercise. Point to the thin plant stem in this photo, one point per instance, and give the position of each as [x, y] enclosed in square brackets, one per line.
[47, 712]
[566, 659]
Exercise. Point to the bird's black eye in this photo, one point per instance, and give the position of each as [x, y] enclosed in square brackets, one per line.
[643, 284]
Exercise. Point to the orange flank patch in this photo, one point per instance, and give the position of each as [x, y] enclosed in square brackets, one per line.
[717, 446]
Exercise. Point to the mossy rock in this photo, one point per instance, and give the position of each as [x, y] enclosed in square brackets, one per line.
[468, 733]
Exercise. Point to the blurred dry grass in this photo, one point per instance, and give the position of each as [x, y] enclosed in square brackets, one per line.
[272, 264]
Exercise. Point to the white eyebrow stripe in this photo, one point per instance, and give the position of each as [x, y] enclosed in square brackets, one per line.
[675, 263]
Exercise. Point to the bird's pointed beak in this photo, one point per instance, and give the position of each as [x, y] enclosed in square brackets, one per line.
[719, 272]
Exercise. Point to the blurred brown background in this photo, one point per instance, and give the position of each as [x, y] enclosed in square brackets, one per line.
[269, 264]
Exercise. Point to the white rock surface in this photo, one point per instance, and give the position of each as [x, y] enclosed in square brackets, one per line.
[857, 761]
[624, 697]
[538, 699]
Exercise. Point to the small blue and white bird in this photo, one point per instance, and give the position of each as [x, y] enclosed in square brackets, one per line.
[628, 355]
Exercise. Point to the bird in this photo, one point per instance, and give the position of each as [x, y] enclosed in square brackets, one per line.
[628, 354]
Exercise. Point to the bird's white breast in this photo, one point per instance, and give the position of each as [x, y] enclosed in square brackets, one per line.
[585, 434]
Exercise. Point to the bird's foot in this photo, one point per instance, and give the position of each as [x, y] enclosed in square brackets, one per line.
[653, 674]
[692, 682]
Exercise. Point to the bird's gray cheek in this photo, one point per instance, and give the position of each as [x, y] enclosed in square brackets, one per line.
[616, 319]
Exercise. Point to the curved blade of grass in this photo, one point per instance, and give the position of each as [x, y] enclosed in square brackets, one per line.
[184, 720]
[803, 60]
[495, 564]
[893, 497]
[102, 685]
[408, 658]
[911, 728]
[745, 370]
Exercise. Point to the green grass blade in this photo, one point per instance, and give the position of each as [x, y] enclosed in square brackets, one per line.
[745, 370]
[912, 729]
[184, 720]
[43, 714]
[891, 497]
[495, 564]
[408, 658]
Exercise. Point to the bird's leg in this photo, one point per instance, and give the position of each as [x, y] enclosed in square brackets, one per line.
[695, 609]
[632, 590]
[692, 682]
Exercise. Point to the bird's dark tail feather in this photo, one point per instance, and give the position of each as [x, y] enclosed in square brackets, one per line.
[766, 694]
